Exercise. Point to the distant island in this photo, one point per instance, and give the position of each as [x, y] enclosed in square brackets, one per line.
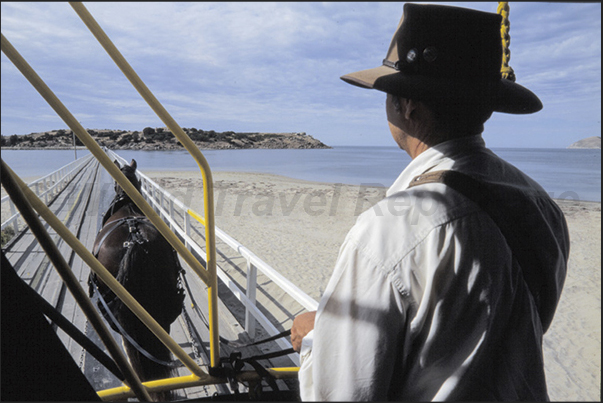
[161, 138]
[589, 142]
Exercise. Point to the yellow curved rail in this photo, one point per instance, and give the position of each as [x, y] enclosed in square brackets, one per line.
[123, 392]
[13, 184]
[209, 276]
[106, 277]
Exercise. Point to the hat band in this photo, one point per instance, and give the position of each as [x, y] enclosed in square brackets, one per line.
[394, 65]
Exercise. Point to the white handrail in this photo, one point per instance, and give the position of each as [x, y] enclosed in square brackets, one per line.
[52, 184]
[150, 188]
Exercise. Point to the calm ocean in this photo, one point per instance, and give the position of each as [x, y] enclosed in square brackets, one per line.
[564, 173]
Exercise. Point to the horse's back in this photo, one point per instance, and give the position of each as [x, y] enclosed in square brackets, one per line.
[140, 258]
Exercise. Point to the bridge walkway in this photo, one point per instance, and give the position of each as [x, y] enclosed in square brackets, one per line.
[80, 206]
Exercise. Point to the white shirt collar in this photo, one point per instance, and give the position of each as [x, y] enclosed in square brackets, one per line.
[441, 156]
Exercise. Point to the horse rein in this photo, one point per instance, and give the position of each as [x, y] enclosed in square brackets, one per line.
[125, 334]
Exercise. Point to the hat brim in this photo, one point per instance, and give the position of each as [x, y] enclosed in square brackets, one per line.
[505, 96]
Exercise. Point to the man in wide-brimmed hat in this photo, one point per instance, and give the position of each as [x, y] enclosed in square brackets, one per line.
[443, 290]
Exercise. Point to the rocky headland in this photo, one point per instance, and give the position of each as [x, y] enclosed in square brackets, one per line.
[152, 139]
[589, 142]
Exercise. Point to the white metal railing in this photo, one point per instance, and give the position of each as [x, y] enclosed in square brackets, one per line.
[176, 215]
[47, 187]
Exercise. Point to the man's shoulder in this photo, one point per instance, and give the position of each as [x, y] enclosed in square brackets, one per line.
[400, 221]
[428, 205]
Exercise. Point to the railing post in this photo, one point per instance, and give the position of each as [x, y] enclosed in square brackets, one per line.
[187, 229]
[13, 211]
[171, 209]
[53, 182]
[45, 191]
[154, 198]
[252, 273]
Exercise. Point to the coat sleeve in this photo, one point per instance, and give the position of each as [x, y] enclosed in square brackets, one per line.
[357, 329]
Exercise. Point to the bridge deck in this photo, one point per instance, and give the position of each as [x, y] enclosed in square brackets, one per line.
[80, 206]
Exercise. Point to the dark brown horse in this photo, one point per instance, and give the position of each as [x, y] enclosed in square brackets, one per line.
[140, 258]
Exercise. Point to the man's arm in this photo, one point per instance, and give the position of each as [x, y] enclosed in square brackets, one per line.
[357, 333]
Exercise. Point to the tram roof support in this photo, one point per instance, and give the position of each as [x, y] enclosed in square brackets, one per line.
[12, 187]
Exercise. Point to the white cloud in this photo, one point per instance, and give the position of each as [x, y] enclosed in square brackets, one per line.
[270, 66]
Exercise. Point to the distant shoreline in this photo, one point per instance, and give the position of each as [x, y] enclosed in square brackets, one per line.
[83, 148]
[80, 148]
[161, 139]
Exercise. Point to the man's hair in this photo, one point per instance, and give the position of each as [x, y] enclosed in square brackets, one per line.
[460, 118]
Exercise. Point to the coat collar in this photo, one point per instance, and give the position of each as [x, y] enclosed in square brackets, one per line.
[441, 156]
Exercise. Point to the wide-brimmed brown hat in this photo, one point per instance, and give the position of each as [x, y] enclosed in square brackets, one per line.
[448, 54]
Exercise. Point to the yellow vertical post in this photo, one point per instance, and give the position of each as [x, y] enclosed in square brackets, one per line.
[208, 202]
[100, 155]
[11, 184]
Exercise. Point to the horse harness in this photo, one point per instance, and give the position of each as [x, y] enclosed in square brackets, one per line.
[230, 366]
[134, 233]
[117, 203]
[135, 236]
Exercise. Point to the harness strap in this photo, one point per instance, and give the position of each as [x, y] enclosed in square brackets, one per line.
[255, 343]
[116, 225]
[234, 363]
[518, 217]
[61, 321]
[125, 334]
[134, 236]
[115, 205]
[119, 201]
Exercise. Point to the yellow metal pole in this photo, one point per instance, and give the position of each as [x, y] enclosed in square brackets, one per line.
[99, 154]
[123, 392]
[106, 277]
[210, 277]
[33, 222]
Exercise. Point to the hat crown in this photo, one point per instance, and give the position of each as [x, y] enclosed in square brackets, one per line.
[448, 54]
[448, 42]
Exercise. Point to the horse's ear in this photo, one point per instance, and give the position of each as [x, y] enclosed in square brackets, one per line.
[117, 164]
[133, 164]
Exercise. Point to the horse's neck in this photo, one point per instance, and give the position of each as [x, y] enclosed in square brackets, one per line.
[128, 210]
[121, 206]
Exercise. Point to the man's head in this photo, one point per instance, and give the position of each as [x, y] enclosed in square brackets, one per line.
[449, 58]
[417, 125]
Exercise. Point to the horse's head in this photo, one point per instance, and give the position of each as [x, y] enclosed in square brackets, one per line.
[130, 172]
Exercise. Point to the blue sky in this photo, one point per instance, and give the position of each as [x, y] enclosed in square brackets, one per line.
[275, 67]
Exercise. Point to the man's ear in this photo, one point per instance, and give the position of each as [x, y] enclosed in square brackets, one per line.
[408, 106]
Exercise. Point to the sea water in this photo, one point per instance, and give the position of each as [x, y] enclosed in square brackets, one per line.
[564, 173]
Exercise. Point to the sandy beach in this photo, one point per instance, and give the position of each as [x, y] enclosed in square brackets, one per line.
[297, 227]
